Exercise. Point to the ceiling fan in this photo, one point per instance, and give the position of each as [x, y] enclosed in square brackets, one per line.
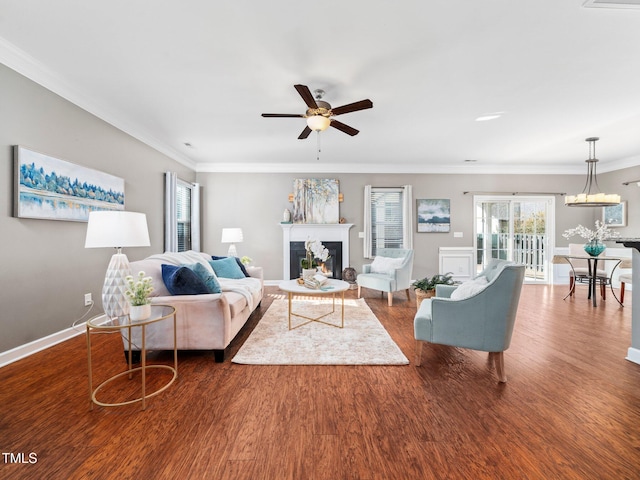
[319, 113]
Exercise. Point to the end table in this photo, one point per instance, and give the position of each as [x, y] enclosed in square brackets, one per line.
[102, 323]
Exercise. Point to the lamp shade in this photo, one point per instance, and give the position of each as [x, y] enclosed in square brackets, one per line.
[117, 229]
[231, 235]
[318, 123]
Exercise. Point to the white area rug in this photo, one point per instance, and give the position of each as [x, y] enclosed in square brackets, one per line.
[362, 341]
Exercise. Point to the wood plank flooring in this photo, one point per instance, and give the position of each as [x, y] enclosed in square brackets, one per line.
[570, 410]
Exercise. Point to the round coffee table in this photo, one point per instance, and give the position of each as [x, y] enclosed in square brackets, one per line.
[330, 287]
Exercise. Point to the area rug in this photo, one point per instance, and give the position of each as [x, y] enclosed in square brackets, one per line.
[362, 341]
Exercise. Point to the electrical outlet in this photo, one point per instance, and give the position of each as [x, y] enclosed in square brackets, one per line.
[87, 299]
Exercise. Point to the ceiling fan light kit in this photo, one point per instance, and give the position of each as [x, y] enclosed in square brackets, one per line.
[319, 113]
[318, 123]
[591, 195]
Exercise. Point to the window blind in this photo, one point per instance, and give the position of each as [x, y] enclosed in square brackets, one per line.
[386, 218]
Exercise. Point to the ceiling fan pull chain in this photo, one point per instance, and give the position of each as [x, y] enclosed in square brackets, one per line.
[318, 157]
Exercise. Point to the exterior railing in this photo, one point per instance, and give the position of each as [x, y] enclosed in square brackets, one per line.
[527, 249]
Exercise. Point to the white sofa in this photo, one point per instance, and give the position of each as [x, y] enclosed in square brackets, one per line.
[205, 321]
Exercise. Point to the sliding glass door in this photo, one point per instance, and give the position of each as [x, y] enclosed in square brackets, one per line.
[515, 228]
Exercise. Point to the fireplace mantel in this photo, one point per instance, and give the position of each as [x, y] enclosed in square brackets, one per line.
[300, 232]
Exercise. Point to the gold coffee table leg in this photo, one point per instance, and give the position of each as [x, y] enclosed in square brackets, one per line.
[316, 319]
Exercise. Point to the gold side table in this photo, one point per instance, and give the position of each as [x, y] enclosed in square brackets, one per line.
[102, 323]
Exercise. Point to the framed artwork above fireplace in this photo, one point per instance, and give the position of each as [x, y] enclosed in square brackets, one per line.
[316, 200]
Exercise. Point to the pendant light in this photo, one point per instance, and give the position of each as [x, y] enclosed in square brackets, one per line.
[591, 195]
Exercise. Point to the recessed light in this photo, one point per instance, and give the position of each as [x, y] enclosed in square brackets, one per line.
[188, 145]
[489, 116]
[470, 160]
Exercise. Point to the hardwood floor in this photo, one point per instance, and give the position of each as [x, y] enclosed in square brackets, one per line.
[571, 408]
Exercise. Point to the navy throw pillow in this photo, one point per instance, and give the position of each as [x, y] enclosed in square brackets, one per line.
[206, 276]
[244, 270]
[182, 281]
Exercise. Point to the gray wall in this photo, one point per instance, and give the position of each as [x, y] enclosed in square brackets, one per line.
[256, 202]
[44, 268]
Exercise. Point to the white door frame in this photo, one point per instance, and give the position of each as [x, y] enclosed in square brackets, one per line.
[550, 223]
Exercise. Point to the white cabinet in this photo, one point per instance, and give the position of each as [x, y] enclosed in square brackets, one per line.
[459, 261]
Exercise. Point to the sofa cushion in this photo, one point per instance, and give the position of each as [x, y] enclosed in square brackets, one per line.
[227, 268]
[182, 281]
[469, 288]
[237, 303]
[242, 267]
[206, 275]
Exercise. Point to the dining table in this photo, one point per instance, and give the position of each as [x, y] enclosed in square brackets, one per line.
[593, 279]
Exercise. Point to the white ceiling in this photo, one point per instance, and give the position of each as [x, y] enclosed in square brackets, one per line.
[202, 72]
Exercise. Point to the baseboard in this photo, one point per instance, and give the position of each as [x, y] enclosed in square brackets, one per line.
[633, 355]
[43, 343]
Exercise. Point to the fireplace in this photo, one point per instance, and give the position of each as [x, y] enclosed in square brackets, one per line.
[326, 233]
[332, 268]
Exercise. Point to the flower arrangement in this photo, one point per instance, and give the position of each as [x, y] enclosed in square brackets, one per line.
[246, 260]
[600, 234]
[138, 291]
[315, 251]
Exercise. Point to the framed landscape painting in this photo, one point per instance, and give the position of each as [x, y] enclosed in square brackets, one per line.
[53, 189]
[433, 215]
[615, 215]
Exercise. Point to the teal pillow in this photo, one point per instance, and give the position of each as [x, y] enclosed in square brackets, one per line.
[208, 278]
[227, 268]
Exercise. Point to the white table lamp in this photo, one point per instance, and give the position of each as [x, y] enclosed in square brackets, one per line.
[116, 229]
[232, 236]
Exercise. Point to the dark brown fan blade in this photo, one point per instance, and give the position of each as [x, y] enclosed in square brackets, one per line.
[344, 128]
[282, 115]
[306, 95]
[352, 107]
[305, 133]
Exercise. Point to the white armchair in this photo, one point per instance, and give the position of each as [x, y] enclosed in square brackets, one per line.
[390, 272]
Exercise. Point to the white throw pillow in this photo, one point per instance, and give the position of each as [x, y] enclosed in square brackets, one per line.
[470, 288]
[386, 265]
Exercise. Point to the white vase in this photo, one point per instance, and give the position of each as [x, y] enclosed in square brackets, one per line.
[308, 272]
[286, 216]
[139, 312]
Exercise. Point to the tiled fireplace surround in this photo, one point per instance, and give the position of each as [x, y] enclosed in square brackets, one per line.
[300, 232]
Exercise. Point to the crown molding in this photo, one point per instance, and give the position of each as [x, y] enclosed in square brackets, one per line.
[399, 168]
[27, 66]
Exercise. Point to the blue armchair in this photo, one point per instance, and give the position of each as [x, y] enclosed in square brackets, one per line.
[392, 280]
[484, 321]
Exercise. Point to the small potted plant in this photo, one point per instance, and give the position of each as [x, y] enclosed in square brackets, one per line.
[426, 287]
[138, 291]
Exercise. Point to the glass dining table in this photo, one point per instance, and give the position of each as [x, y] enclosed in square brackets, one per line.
[592, 272]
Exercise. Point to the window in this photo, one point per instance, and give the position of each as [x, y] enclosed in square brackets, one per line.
[183, 215]
[388, 222]
[182, 212]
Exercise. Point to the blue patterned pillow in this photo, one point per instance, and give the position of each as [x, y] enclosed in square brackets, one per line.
[182, 281]
[227, 268]
[206, 276]
[242, 267]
